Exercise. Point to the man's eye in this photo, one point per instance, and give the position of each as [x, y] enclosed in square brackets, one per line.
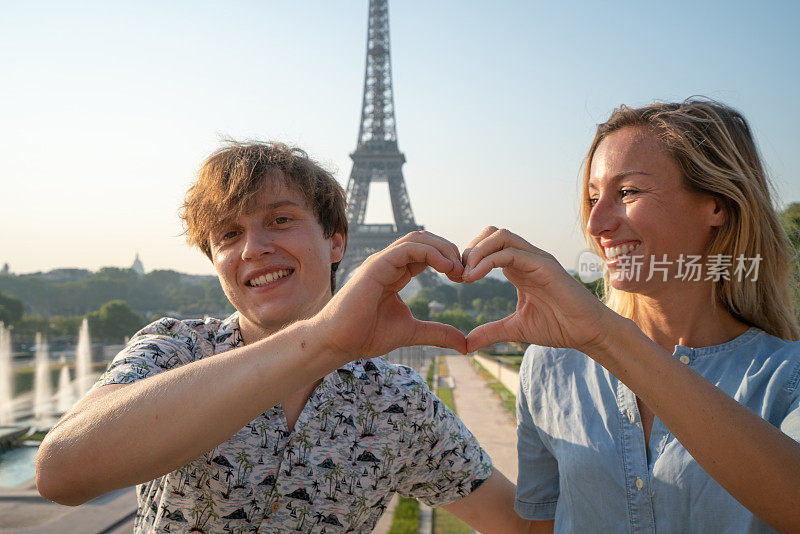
[281, 220]
[228, 235]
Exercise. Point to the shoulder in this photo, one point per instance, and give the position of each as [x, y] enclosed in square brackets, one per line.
[383, 386]
[180, 341]
[544, 364]
[378, 373]
[773, 354]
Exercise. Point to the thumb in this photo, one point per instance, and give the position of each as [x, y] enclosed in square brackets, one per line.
[438, 335]
[486, 334]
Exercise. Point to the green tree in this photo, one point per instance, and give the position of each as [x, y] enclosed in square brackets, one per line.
[790, 219]
[443, 293]
[419, 308]
[11, 309]
[114, 320]
[486, 289]
[458, 318]
[477, 304]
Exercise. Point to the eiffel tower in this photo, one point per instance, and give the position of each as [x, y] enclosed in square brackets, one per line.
[377, 157]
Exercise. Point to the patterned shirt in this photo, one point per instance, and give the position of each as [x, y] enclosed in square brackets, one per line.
[368, 430]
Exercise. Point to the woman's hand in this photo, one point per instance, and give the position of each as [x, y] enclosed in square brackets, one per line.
[553, 309]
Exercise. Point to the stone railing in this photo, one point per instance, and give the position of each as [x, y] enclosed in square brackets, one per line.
[508, 377]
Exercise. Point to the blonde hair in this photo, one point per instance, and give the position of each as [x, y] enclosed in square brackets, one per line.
[714, 148]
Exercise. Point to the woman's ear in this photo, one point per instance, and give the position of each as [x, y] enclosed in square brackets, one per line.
[718, 213]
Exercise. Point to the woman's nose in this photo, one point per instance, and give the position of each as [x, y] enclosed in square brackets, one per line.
[603, 217]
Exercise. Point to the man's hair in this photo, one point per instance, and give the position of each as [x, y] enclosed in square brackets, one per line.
[231, 179]
[713, 146]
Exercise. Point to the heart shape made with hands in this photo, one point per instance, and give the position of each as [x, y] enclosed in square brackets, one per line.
[544, 289]
[478, 335]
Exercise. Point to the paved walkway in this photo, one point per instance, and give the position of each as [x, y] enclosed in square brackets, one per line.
[23, 511]
[480, 409]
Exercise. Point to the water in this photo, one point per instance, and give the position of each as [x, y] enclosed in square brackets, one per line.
[66, 392]
[83, 361]
[6, 391]
[42, 384]
[17, 466]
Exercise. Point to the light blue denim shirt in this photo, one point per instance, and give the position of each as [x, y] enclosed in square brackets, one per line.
[582, 455]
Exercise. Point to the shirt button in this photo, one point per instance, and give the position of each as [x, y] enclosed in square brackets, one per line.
[639, 483]
[631, 416]
[275, 506]
[685, 359]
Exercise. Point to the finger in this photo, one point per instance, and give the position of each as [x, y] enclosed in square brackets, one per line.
[486, 334]
[510, 258]
[486, 232]
[494, 242]
[446, 247]
[401, 256]
[438, 335]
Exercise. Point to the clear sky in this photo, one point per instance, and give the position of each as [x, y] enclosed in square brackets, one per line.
[108, 108]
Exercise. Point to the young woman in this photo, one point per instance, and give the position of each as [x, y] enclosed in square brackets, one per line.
[673, 406]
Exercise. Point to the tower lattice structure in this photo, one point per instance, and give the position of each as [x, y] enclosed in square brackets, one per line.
[377, 157]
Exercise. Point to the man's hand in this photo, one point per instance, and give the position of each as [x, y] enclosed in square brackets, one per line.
[553, 309]
[368, 318]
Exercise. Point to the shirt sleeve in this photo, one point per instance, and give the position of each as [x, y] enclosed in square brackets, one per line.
[791, 423]
[447, 461]
[537, 481]
[157, 347]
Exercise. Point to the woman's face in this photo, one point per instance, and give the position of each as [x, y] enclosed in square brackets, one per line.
[641, 211]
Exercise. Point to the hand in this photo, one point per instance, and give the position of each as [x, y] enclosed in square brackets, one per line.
[553, 309]
[368, 318]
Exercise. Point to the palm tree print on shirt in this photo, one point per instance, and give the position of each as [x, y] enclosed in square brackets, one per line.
[369, 429]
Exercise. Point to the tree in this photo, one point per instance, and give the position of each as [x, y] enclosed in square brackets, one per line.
[790, 219]
[114, 320]
[11, 309]
[458, 318]
[419, 308]
[443, 293]
[487, 289]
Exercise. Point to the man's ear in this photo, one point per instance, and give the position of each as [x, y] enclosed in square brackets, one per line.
[338, 242]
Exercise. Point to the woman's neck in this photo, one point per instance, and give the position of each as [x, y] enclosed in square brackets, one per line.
[693, 320]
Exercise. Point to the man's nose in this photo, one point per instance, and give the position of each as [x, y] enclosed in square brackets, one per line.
[603, 217]
[256, 244]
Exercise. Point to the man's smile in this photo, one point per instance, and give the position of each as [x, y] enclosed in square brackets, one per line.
[264, 279]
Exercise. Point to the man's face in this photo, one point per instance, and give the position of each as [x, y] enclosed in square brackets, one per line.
[274, 262]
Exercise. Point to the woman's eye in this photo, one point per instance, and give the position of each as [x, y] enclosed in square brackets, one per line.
[281, 220]
[627, 192]
[228, 235]
[592, 202]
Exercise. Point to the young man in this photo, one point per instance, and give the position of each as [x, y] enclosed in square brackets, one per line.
[262, 422]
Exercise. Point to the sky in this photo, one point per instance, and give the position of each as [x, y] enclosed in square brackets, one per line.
[107, 109]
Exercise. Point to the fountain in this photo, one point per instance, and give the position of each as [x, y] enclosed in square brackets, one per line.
[66, 392]
[42, 383]
[83, 361]
[6, 384]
